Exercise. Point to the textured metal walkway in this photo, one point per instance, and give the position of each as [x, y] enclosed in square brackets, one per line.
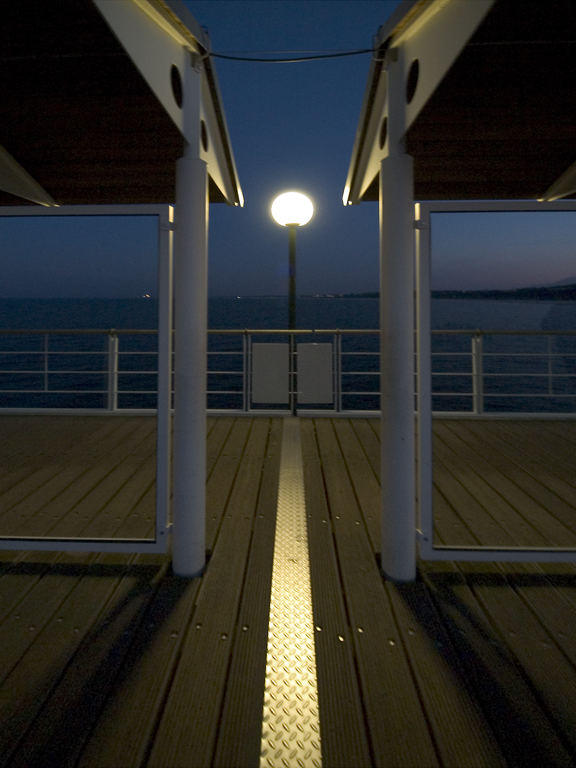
[290, 729]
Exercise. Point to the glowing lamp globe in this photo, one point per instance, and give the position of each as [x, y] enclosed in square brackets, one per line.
[292, 209]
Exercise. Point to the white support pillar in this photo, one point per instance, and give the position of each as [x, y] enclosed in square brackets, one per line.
[191, 303]
[397, 341]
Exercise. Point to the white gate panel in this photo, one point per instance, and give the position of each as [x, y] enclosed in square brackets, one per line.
[270, 373]
[315, 374]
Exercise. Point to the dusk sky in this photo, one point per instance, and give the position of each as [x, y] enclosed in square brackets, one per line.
[292, 126]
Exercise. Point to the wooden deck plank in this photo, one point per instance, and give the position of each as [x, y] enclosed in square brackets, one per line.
[477, 477]
[449, 527]
[138, 694]
[61, 727]
[510, 704]
[554, 721]
[218, 432]
[100, 514]
[27, 617]
[473, 664]
[550, 673]
[69, 476]
[240, 730]
[368, 433]
[190, 719]
[344, 736]
[459, 730]
[550, 593]
[363, 477]
[469, 508]
[537, 472]
[222, 476]
[461, 733]
[389, 692]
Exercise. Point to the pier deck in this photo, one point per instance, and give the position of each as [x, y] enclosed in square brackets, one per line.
[108, 660]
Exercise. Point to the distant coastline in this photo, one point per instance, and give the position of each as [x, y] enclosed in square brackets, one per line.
[539, 293]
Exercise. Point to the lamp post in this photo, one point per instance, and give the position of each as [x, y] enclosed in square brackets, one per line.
[292, 210]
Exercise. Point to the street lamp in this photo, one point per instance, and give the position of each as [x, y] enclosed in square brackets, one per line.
[292, 210]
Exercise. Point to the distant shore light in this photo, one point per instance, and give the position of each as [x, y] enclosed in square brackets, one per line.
[292, 209]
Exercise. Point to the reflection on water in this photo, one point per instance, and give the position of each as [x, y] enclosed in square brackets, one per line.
[560, 315]
[502, 315]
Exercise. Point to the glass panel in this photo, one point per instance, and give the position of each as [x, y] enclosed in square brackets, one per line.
[78, 330]
[504, 342]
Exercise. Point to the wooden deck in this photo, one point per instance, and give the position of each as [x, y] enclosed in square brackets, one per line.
[109, 661]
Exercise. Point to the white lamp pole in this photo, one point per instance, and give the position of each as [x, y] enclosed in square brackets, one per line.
[292, 210]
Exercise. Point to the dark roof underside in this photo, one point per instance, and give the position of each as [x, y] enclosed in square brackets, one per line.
[75, 112]
[502, 124]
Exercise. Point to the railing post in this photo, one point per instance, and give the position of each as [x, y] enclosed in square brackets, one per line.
[293, 375]
[45, 356]
[112, 397]
[247, 367]
[338, 371]
[477, 374]
[550, 374]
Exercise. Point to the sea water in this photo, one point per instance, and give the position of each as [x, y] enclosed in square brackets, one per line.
[506, 363]
[272, 313]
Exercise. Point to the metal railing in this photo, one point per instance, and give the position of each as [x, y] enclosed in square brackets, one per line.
[501, 371]
[474, 372]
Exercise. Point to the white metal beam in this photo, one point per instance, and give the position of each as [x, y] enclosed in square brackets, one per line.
[152, 48]
[433, 41]
[565, 185]
[18, 182]
[160, 45]
[431, 37]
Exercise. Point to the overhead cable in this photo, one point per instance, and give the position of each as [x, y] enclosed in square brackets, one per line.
[292, 60]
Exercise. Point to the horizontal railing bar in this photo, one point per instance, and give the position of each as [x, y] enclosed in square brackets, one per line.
[553, 396]
[50, 353]
[499, 332]
[75, 331]
[510, 375]
[280, 331]
[44, 358]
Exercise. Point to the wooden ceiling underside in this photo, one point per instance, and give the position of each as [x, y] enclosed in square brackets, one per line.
[74, 111]
[502, 124]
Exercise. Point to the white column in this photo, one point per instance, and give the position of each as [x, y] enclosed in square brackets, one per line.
[397, 340]
[191, 303]
[397, 368]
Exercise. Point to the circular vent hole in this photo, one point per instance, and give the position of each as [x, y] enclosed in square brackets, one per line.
[383, 132]
[176, 83]
[412, 82]
[204, 136]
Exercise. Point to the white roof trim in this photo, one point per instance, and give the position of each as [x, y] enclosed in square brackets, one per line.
[430, 32]
[18, 182]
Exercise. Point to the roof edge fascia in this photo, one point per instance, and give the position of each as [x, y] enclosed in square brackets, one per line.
[415, 24]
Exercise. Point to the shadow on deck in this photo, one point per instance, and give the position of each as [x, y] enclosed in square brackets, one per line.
[110, 660]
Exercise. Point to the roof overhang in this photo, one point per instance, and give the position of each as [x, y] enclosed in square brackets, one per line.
[492, 116]
[89, 104]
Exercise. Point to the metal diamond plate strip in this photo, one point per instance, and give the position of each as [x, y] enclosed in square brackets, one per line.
[290, 721]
